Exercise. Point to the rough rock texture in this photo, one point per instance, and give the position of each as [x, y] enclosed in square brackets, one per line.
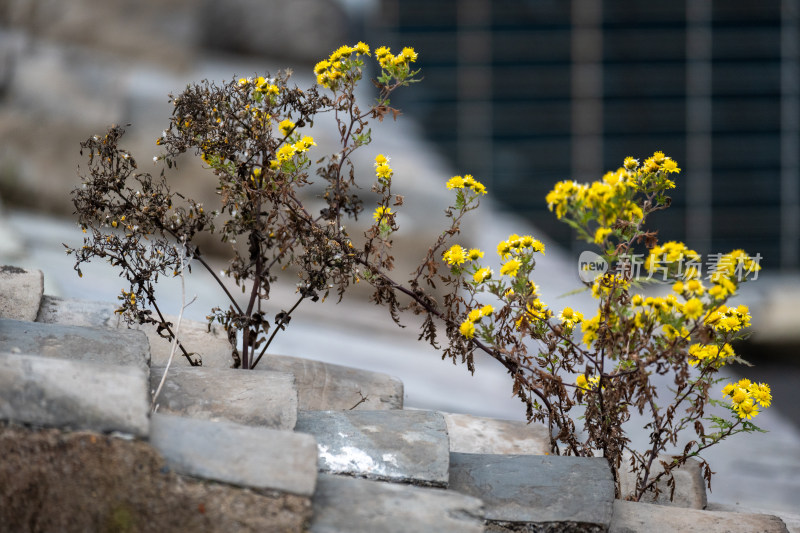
[537, 492]
[474, 434]
[20, 292]
[73, 312]
[54, 481]
[399, 446]
[73, 394]
[96, 345]
[328, 387]
[241, 455]
[212, 346]
[363, 506]
[690, 487]
[266, 399]
[630, 517]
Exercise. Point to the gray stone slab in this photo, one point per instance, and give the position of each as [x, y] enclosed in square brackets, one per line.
[20, 293]
[474, 434]
[62, 393]
[400, 446]
[366, 506]
[75, 312]
[790, 520]
[328, 387]
[632, 517]
[540, 491]
[212, 346]
[690, 487]
[98, 345]
[267, 399]
[259, 458]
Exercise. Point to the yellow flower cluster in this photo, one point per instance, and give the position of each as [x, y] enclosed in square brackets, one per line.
[711, 353]
[288, 151]
[387, 60]
[457, 255]
[330, 71]
[260, 84]
[611, 198]
[729, 264]
[608, 283]
[727, 319]
[590, 328]
[467, 327]
[382, 168]
[670, 258]
[587, 383]
[746, 396]
[467, 182]
[570, 317]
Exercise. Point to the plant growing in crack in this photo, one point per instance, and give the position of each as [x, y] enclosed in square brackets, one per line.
[253, 134]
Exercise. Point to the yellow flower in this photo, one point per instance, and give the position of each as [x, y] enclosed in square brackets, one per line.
[304, 144]
[456, 182]
[761, 393]
[487, 310]
[693, 309]
[381, 213]
[474, 315]
[670, 166]
[482, 275]
[747, 409]
[384, 171]
[286, 126]
[381, 159]
[409, 54]
[601, 234]
[361, 48]
[467, 329]
[590, 329]
[637, 300]
[630, 163]
[474, 254]
[383, 51]
[285, 152]
[510, 268]
[581, 382]
[455, 255]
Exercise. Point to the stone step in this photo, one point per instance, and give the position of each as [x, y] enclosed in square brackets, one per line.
[537, 492]
[75, 312]
[690, 487]
[20, 293]
[212, 345]
[474, 434]
[328, 387]
[365, 506]
[399, 446]
[633, 517]
[259, 458]
[266, 399]
[97, 345]
[62, 393]
[790, 519]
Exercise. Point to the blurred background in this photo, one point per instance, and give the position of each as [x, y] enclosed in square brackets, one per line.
[519, 93]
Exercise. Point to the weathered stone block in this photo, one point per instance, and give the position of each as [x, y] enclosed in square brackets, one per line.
[212, 346]
[74, 312]
[538, 492]
[96, 345]
[328, 387]
[20, 293]
[267, 399]
[401, 446]
[73, 394]
[259, 458]
[76, 482]
[632, 517]
[473, 434]
[690, 487]
[365, 506]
